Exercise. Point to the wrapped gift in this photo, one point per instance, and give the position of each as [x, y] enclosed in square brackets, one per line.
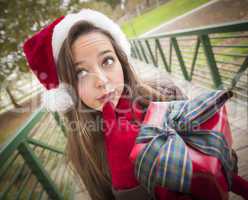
[204, 115]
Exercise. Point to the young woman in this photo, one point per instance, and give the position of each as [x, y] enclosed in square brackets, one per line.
[83, 60]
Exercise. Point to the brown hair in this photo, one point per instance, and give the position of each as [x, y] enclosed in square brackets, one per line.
[85, 147]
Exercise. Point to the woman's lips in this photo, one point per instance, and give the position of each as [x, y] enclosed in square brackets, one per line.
[107, 96]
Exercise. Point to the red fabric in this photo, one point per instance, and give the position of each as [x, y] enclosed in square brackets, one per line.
[240, 186]
[38, 51]
[119, 135]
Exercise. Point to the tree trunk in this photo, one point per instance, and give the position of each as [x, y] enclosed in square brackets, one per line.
[148, 3]
[157, 3]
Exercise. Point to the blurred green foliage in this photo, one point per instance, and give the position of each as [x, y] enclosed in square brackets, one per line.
[19, 20]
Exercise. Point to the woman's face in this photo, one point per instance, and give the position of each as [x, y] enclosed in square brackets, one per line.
[99, 71]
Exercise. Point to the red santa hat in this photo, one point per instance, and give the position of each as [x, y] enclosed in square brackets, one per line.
[42, 50]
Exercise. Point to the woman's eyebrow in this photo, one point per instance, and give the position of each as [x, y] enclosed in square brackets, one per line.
[100, 54]
[104, 52]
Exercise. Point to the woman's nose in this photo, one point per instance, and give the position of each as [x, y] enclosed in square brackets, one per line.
[101, 79]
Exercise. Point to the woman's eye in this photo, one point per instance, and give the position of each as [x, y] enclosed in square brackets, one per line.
[108, 61]
[81, 74]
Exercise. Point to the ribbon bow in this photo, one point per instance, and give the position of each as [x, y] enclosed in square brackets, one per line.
[165, 160]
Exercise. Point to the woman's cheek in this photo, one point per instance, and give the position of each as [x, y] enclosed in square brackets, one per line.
[87, 96]
[118, 76]
[80, 90]
[83, 94]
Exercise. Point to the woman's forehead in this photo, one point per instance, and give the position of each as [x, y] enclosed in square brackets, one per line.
[92, 41]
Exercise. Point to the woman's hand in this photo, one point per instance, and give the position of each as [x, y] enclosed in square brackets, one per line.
[119, 135]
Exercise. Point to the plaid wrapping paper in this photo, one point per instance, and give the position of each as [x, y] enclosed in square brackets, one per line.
[165, 160]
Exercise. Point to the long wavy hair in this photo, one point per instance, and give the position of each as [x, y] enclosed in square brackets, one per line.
[85, 145]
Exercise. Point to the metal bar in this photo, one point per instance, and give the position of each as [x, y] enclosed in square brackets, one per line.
[59, 123]
[51, 131]
[242, 69]
[45, 146]
[43, 131]
[26, 179]
[50, 164]
[21, 188]
[55, 161]
[151, 54]
[195, 57]
[41, 123]
[180, 58]
[137, 50]
[133, 50]
[211, 61]
[162, 56]
[143, 51]
[170, 54]
[237, 26]
[36, 167]
[44, 164]
[48, 157]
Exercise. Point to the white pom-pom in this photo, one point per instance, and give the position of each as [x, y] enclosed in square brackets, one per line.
[57, 99]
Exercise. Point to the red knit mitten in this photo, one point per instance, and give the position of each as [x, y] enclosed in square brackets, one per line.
[119, 135]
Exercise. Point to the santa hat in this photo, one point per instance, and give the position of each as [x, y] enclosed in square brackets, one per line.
[42, 50]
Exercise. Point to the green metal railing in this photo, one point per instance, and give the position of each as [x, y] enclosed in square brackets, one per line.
[216, 56]
[32, 164]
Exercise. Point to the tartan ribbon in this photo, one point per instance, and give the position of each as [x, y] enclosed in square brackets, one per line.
[165, 160]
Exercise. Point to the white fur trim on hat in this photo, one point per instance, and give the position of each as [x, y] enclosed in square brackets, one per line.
[57, 99]
[98, 19]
